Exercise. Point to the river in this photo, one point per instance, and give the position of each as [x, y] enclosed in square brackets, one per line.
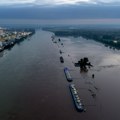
[33, 85]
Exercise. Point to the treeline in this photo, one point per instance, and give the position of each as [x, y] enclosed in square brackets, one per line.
[110, 37]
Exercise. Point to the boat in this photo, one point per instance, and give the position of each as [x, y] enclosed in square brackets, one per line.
[67, 74]
[55, 42]
[77, 101]
[59, 39]
[60, 52]
[61, 59]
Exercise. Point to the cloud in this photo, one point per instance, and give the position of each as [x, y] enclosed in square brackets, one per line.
[106, 2]
[12, 2]
[59, 2]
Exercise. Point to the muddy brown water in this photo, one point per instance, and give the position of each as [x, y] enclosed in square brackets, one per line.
[33, 85]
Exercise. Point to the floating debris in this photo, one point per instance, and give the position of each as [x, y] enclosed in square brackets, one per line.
[61, 43]
[92, 93]
[96, 87]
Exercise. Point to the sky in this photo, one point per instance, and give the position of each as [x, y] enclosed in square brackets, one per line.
[60, 10]
[59, 2]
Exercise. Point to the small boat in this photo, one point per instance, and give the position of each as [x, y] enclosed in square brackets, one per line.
[77, 101]
[60, 52]
[55, 42]
[61, 59]
[59, 40]
[61, 43]
[67, 74]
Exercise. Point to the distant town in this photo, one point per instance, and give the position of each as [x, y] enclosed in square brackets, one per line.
[9, 37]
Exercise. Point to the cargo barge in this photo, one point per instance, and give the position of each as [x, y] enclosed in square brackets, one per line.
[61, 59]
[77, 101]
[67, 74]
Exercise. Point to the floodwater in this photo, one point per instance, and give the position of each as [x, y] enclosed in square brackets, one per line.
[33, 85]
[106, 84]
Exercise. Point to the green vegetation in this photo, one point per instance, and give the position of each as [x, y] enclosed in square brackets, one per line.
[109, 37]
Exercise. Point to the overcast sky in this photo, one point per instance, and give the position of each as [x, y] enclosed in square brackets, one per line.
[58, 2]
[60, 10]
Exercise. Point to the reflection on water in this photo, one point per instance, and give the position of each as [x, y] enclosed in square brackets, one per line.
[111, 60]
[104, 86]
[1, 54]
[33, 85]
[100, 55]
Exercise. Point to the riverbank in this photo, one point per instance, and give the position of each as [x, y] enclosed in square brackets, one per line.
[9, 37]
[109, 37]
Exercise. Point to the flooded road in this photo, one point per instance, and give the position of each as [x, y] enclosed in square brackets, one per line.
[33, 85]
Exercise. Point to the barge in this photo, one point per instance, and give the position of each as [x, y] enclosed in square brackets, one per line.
[77, 101]
[61, 59]
[67, 74]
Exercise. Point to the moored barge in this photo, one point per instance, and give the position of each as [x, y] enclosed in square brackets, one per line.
[61, 59]
[77, 101]
[67, 74]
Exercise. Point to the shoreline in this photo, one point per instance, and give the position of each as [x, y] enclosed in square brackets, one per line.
[9, 41]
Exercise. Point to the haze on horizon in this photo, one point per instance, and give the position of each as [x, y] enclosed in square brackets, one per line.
[45, 10]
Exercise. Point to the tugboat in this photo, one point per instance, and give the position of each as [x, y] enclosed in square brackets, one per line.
[67, 74]
[77, 101]
[61, 59]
